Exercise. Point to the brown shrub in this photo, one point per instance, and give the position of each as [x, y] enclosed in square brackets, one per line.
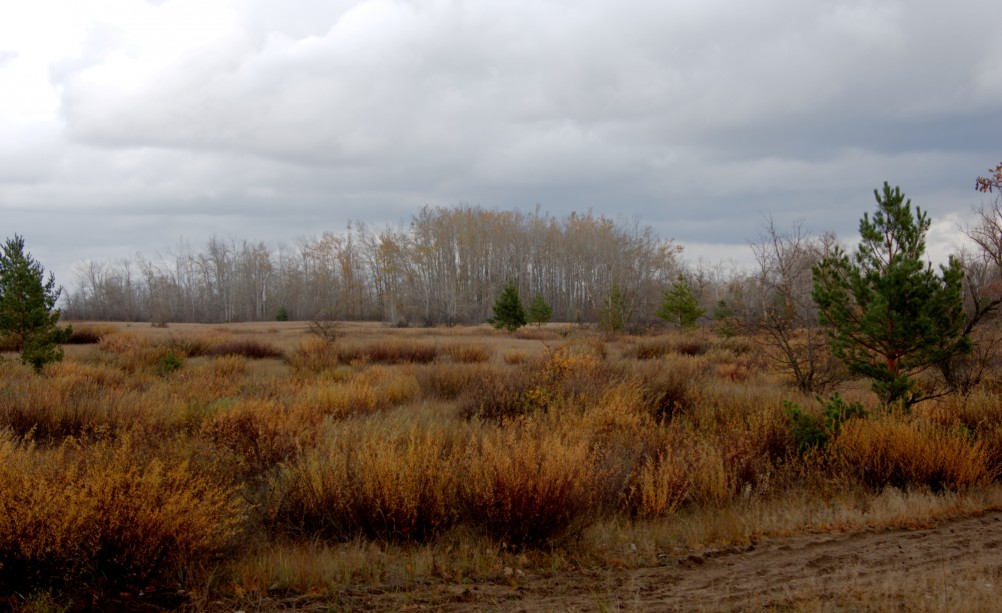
[123, 343]
[535, 333]
[136, 353]
[659, 488]
[650, 348]
[515, 357]
[375, 389]
[74, 400]
[313, 356]
[260, 434]
[396, 351]
[733, 372]
[686, 471]
[469, 354]
[622, 434]
[448, 382]
[747, 423]
[396, 486]
[502, 393]
[979, 412]
[526, 486]
[107, 518]
[668, 385]
[88, 334]
[897, 451]
[576, 371]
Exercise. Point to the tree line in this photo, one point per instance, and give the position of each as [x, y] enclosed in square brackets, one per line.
[447, 266]
[818, 312]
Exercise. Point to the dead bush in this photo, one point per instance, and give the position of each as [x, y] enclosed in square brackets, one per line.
[668, 385]
[502, 394]
[469, 353]
[897, 451]
[107, 519]
[88, 334]
[448, 382]
[400, 486]
[313, 356]
[259, 435]
[529, 487]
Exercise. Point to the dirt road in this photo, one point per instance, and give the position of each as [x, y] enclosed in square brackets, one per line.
[956, 565]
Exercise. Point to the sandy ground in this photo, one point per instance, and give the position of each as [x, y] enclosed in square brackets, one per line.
[956, 565]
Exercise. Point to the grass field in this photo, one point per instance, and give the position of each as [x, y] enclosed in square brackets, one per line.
[255, 465]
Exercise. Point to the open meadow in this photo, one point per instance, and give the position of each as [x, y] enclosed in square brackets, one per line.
[354, 466]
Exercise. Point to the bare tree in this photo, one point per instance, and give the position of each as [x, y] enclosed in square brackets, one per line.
[780, 310]
[446, 266]
[982, 299]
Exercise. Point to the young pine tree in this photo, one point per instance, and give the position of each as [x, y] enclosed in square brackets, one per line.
[680, 305]
[508, 311]
[890, 314]
[539, 311]
[28, 315]
[612, 317]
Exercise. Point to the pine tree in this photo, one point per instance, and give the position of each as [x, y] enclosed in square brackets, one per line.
[680, 305]
[508, 311]
[613, 314]
[723, 314]
[28, 315]
[890, 314]
[540, 311]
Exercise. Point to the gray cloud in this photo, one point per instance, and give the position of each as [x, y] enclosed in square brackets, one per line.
[697, 117]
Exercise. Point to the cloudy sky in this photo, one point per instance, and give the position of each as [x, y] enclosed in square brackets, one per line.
[128, 124]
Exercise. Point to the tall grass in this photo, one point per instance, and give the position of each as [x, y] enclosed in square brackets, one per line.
[117, 473]
[896, 451]
[526, 486]
[108, 516]
[364, 481]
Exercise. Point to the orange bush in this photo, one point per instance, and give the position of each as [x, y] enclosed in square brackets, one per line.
[109, 517]
[396, 486]
[525, 486]
[897, 451]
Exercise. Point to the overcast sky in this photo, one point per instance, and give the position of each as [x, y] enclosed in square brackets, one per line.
[126, 125]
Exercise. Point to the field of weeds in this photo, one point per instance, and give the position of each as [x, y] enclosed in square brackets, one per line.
[261, 465]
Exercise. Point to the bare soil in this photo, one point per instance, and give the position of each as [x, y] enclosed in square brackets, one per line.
[956, 565]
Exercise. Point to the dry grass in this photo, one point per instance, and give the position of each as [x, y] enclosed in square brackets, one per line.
[899, 452]
[88, 334]
[527, 486]
[364, 481]
[391, 455]
[469, 353]
[251, 349]
[108, 516]
[450, 383]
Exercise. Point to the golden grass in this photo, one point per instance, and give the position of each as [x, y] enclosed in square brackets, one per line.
[893, 450]
[366, 481]
[526, 485]
[391, 455]
[470, 353]
[108, 515]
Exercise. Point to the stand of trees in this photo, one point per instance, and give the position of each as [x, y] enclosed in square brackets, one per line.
[447, 266]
